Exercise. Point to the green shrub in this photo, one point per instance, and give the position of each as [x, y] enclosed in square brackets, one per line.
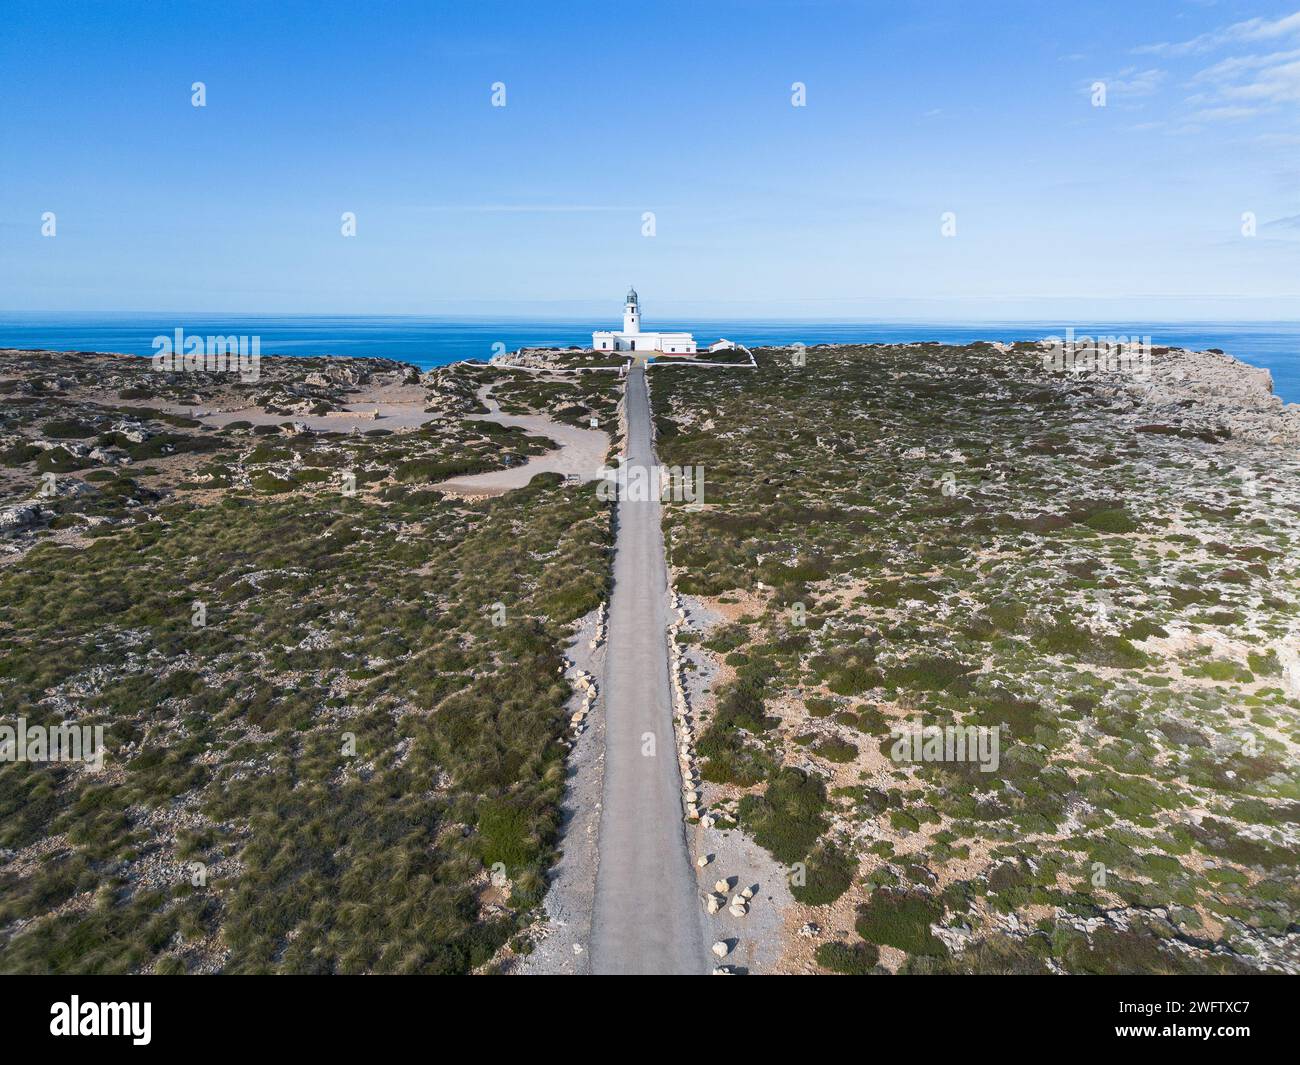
[1266, 664]
[902, 920]
[789, 816]
[834, 749]
[1117, 520]
[504, 835]
[67, 429]
[829, 873]
[929, 673]
[856, 960]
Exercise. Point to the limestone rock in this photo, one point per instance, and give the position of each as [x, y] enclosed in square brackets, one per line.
[15, 519]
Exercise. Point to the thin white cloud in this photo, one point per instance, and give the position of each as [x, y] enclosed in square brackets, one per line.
[1272, 85]
[1255, 29]
[1256, 81]
[1221, 114]
[1133, 82]
[1238, 65]
[1248, 83]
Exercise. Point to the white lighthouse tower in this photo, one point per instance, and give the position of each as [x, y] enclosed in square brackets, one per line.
[631, 313]
[632, 339]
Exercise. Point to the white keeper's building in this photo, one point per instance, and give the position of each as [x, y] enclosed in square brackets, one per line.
[632, 339]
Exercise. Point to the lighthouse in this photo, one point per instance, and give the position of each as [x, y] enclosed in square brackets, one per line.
[631, 313]
[632, 339]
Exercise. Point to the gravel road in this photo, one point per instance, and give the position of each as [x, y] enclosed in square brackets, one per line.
[646, 916]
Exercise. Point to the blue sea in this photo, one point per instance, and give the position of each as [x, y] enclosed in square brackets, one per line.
[428, 341]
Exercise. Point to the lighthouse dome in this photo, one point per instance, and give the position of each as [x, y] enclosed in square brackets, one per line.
[631, 294]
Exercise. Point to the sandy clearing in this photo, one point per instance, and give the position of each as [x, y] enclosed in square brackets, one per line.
[386, 407]
[581, 452]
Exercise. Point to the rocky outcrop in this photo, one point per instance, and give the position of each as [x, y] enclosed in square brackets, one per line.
[567, 359]
[1256, 949]
[535, 358]
[1195, 392]
[20, 517]
[1201, 386]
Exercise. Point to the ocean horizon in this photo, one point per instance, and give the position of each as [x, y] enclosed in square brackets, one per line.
[429, 341]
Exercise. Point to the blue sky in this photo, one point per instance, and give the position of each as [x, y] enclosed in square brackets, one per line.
[1064, 211]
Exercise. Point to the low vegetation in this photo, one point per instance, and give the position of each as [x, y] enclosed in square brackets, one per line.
[332, 710]
[961, 538]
